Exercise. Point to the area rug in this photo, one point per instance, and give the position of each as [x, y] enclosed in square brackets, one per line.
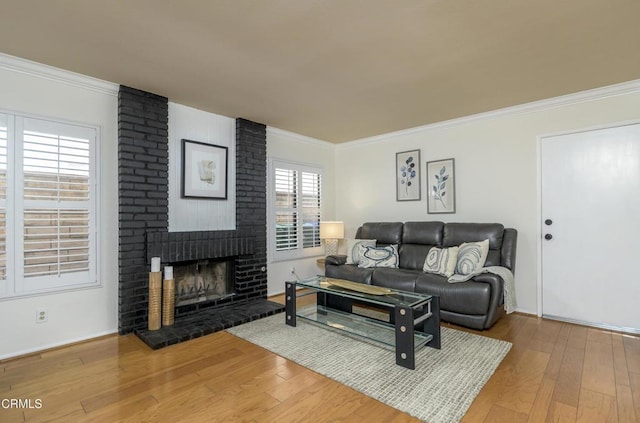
[440, 389]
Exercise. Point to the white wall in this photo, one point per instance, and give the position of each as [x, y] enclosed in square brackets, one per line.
[496, 166]
[289, 146]
[36, 89]
[195, 214]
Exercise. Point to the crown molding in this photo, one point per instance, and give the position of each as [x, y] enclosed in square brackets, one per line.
[535, 106]
[27, 67]
[299, 138]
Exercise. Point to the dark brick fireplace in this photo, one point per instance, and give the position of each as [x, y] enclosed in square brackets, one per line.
[143, 226]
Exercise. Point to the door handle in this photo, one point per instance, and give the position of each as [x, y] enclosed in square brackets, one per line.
[548, 236]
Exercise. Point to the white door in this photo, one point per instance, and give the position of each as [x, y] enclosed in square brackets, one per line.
[591, 227]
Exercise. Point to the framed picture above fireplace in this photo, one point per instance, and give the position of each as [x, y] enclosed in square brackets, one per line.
[204, 170]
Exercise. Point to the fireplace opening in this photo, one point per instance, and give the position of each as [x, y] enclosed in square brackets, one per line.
[203, 280]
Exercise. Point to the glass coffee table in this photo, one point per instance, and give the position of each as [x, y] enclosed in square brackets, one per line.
[404, 320]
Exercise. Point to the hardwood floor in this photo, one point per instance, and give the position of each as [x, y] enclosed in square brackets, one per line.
[555, 372]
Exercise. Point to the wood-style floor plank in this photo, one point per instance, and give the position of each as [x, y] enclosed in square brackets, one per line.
[619, 360]
[626, 409]
[598, 374]
[569, 380]
[634, 381]
[596, 407]
[561, 413]
[555, 372]
[542, 404]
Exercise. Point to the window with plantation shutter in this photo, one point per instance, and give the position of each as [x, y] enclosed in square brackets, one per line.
[53, 169]
[296, 192]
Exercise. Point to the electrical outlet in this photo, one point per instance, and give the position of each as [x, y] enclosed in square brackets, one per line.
[42, 315]
[293, 270]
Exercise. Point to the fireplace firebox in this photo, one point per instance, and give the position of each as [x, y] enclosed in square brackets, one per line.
[203, 280]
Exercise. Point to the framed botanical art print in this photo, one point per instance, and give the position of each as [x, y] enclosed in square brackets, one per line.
[204, 170]
[408, 176]
[441, 186]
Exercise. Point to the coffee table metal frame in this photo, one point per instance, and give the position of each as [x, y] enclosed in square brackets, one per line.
[413, 318]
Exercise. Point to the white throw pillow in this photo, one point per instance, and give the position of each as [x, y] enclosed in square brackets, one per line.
[471, 259]
[379, 256]
[441, 261]
[353, 251]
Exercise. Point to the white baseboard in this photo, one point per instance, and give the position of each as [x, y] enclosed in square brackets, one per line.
[56, 345]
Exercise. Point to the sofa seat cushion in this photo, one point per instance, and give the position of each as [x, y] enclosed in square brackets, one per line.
[465, 297]
[402, 279]
[350, 272]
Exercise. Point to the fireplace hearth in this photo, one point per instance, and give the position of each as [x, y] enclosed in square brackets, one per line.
[214, 291]
[208, 321]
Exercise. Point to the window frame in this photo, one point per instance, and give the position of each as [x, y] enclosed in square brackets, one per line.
[300, 251]
[16, 285]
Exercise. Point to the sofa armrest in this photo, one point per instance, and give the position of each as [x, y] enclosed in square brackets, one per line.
[497, 293]
[336, 260]
[508, 252]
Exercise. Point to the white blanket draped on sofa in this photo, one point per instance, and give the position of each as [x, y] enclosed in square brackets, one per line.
[509, 286]
[509, 290]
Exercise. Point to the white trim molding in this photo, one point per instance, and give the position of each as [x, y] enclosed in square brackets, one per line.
[298, 138]
[549, 103]
[17, 64]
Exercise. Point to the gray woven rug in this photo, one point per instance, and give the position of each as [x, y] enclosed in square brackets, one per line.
[440, 389]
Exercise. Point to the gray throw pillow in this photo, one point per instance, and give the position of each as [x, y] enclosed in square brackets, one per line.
[441, 261]
[353, 249]
[378, 256]
[471, 259]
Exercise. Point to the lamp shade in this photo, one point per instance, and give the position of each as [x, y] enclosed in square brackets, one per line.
[331, 230]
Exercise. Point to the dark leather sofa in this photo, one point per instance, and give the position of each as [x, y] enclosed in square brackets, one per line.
[474, 303]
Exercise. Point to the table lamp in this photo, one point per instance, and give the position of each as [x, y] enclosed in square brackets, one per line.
[331, 232]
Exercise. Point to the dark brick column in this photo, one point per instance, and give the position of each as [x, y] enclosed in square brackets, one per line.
[143, 196]
[251, 206]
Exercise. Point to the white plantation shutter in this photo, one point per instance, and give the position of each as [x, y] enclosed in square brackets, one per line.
[54, 170]
[56, 201]
[296, 208]
[286, 187]
[310, 209]
[55, 241]
[3, 196]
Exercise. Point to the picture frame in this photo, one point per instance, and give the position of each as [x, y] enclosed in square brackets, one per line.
[408, 176]
[204, 170]
[441, 186]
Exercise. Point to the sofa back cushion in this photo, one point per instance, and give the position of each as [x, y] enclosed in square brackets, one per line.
[412, 256]
[417, 240]
[457, 233]
[386, 233]
[425, 233]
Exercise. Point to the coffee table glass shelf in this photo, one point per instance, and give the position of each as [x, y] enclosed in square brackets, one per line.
[404, 320]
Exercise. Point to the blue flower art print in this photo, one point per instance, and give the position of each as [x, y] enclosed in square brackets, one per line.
[408, 172]
[408, 175]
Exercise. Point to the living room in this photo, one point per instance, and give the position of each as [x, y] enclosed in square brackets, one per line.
[496, 154]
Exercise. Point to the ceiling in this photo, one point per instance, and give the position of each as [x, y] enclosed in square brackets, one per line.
[336, 70]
